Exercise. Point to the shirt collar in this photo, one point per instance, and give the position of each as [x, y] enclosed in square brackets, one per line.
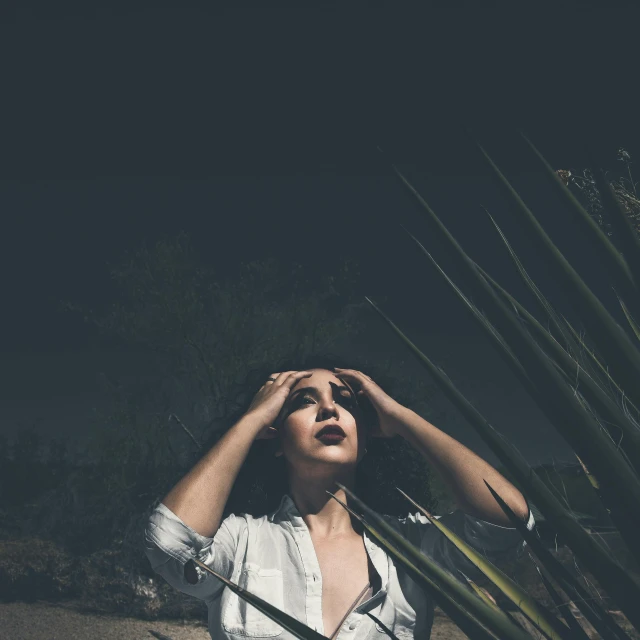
[287, 510]
[283, 509]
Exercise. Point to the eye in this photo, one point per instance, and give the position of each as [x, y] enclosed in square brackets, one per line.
[346, 400]
[300, 400]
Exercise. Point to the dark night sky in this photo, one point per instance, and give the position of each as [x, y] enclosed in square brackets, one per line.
[255, 130]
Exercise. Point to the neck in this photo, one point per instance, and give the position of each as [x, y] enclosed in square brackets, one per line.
[324, 517]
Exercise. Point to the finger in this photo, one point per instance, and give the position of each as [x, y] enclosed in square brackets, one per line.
[296, 376]
[353, 372]
[352, 382]
[280, 377]
[273, 376]
[358, 375]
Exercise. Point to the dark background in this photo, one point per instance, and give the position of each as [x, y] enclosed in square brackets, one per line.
[254, 128]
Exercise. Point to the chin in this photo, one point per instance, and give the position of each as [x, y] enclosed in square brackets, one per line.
[341, 457]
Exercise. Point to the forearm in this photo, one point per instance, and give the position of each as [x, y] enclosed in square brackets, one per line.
[462, 470]
[199, 498]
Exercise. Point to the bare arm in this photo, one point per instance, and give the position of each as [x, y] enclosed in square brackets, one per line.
[462, 470]
[200, 496]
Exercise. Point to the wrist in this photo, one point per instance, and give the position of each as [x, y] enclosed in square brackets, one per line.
[399, 418]
[253, 422]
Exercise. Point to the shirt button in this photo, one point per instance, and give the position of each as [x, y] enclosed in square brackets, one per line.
[352, 626]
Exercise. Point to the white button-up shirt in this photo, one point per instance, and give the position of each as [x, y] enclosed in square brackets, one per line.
[274, 558]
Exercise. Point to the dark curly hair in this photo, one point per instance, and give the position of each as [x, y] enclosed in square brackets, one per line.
[389, 463]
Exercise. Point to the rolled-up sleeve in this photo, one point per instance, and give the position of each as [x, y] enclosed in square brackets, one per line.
[170, 543]
[497, 544]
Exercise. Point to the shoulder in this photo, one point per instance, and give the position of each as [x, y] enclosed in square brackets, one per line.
[243, 520]
[253, 525]
[251, 520]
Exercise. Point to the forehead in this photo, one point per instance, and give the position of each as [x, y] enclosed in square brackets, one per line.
[319, 378]
[322, 379]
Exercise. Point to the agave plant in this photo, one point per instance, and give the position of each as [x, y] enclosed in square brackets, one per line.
[549, 365]
[590, 394]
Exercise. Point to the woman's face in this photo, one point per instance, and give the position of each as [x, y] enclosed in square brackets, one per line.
[317, 401]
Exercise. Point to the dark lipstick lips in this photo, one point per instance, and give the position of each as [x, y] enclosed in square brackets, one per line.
[331, 429]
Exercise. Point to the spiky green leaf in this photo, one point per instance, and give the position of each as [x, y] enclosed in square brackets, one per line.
[542, 618]
[621, 354]
[565, 612]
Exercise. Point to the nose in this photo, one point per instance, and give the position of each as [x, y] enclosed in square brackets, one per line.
[328, 409]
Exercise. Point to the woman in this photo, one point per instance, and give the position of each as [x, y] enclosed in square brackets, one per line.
[309, 557]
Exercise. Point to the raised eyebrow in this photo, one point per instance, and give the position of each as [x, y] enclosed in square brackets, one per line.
[315, 392]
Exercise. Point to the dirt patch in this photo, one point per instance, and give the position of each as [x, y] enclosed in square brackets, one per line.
[44, 621]
[444, 629]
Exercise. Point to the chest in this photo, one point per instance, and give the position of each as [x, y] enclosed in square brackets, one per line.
[346, 570]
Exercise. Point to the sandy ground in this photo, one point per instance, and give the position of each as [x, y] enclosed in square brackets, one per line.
[44, 621]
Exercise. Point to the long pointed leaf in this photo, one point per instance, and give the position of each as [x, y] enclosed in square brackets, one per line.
[489, 600]
[592, 391]
[485, 324]
[542, 618]
[593, 481]
[635, 327]
[599, 364]
[622, 356]
[481, 593]
[546, 308]
[564, 610]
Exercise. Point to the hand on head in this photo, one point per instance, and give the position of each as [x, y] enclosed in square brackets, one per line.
[268, 402]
